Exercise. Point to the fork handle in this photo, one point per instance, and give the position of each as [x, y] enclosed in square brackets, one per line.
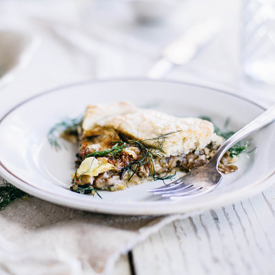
[265, 118]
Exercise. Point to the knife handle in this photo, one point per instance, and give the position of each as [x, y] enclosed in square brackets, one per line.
[160, 69]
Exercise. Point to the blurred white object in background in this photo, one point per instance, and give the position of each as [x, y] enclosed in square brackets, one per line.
[182, 50]
[150, 10]
[258, 40]
[15, 51]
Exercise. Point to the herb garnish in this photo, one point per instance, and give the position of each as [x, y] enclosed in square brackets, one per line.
[110, 152]
[235, 150]
[68, 126]
[8, 193]
[84, 190]
[159, 141]
[147, 155]
[166, 177]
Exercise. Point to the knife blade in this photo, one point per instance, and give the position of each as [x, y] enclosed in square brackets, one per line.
[183, 49]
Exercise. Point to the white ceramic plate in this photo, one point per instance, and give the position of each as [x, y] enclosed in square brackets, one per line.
[28, 161]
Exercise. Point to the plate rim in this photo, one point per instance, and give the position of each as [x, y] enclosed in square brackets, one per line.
[94, 81]
[120, 208]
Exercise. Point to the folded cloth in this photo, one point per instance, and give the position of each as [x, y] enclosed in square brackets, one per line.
[37, 237]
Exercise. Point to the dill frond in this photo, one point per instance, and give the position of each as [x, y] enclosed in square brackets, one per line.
[67, 126]
[164, 136]
[116, 149]
[147, 154]
[159, 141]
[166, 177]
[239, 147]
[84, 190]
[9, 193]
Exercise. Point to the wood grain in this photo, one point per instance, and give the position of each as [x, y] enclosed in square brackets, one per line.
[123, 266]
[237, 239]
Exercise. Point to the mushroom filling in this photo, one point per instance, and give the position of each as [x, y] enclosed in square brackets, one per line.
[132, 162]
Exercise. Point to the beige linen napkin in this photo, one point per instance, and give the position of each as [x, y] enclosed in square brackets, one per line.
[37, 237]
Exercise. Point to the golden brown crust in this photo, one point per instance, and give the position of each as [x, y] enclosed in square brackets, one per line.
[185, 134]
[177, 135]
[99, 115]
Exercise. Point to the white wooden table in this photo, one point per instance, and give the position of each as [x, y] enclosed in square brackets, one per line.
[236, 239]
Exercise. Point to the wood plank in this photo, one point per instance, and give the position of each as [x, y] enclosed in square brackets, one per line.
[265, 215]
[123, 266]
[241, 240]
[156, 257]
[237, 239]
[257, 259]
[181, 227]
[207, 255]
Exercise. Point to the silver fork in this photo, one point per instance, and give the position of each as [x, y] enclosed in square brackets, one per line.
[205, 178]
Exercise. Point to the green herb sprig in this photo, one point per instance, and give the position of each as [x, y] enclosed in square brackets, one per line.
[146, 151]
[9, 193]
[84, 190]
[159, 141]
[147, 155]
[168, 177]
[68, 125]
[110, 152]
[238, 148]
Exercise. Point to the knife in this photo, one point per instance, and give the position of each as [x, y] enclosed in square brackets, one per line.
[183, 49]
